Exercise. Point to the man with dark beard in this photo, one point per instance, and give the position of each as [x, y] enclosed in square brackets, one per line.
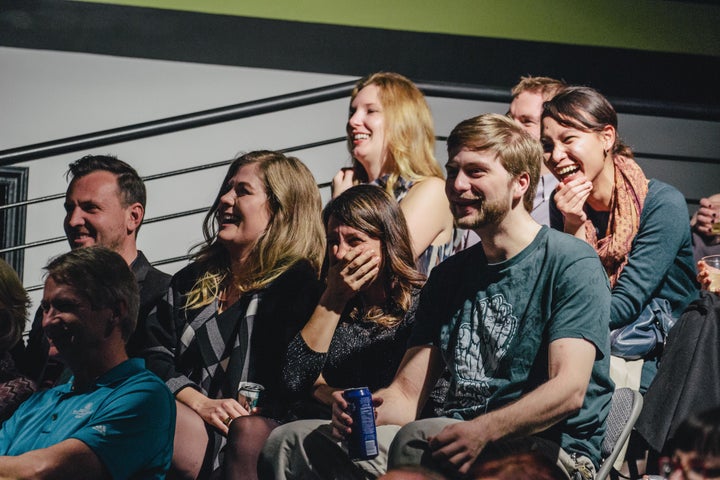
[520, 320]
[528, 96]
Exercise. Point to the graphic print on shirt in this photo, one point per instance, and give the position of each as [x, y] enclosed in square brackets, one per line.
[84, 411]
[483, 339]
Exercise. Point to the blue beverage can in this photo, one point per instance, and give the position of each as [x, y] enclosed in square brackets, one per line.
[362, 444]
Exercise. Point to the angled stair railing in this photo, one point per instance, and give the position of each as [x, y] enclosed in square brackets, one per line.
[175, 124]
[161, 218]
[288, 101]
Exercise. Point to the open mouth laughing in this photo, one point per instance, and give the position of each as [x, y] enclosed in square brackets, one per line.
[359, 137]
[58, 334]
[567, 173]
[463, 206]
[228, 219]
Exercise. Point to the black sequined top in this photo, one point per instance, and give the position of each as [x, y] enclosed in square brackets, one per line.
[361, 354]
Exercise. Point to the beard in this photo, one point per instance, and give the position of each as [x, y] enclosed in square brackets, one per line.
[488, 213]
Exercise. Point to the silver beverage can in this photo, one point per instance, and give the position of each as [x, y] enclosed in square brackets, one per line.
[250, 392]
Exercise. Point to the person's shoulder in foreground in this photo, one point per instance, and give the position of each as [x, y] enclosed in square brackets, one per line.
[113, 419]
[127, 419]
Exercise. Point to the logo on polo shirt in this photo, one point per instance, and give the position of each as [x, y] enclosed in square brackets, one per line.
[84, 411]
[101, 429]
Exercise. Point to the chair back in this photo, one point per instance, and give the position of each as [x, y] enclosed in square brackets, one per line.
[624, 412]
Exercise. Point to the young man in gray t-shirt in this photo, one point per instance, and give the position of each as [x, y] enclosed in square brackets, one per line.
[520, 320]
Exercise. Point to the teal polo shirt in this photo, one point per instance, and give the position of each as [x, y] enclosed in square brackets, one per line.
[127, 417]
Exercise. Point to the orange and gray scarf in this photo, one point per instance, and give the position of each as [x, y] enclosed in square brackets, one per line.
[629, 192]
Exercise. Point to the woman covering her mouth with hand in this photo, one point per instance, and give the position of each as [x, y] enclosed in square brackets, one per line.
[230, 315]
[360, 327]
[358, 333]
[639, 227]
[392, 142]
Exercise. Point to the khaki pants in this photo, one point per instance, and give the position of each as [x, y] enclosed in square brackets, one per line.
[410, 448]
[305, 449]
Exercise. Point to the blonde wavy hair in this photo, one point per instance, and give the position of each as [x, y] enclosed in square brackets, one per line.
[409, 131]
[294, 233]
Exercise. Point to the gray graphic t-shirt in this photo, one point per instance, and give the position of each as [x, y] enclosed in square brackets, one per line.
[493, 325]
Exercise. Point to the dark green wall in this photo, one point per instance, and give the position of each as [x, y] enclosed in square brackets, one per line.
[664, 26]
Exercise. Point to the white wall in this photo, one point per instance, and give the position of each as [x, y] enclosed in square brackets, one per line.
[46, 95]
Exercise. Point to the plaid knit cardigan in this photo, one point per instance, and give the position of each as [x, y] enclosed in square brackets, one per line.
[204, 350]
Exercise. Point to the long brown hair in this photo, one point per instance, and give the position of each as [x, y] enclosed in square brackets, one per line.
[294, 232]
[373, 211]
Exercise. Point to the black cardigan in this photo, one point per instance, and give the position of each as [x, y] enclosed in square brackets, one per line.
[285, 306]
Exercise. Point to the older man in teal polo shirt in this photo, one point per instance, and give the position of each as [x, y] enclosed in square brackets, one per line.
[113, 419]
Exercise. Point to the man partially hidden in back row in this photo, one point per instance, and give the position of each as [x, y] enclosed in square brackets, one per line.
[113, 419]
[520, 320]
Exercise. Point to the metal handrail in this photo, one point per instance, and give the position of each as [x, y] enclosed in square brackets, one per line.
[288, 101]
[310, 97]
[175, 124]
[225, 114]
[172, 173]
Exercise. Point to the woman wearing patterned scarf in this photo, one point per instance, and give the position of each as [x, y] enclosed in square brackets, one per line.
[230, 315]
[639, 227]
[391, 139]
